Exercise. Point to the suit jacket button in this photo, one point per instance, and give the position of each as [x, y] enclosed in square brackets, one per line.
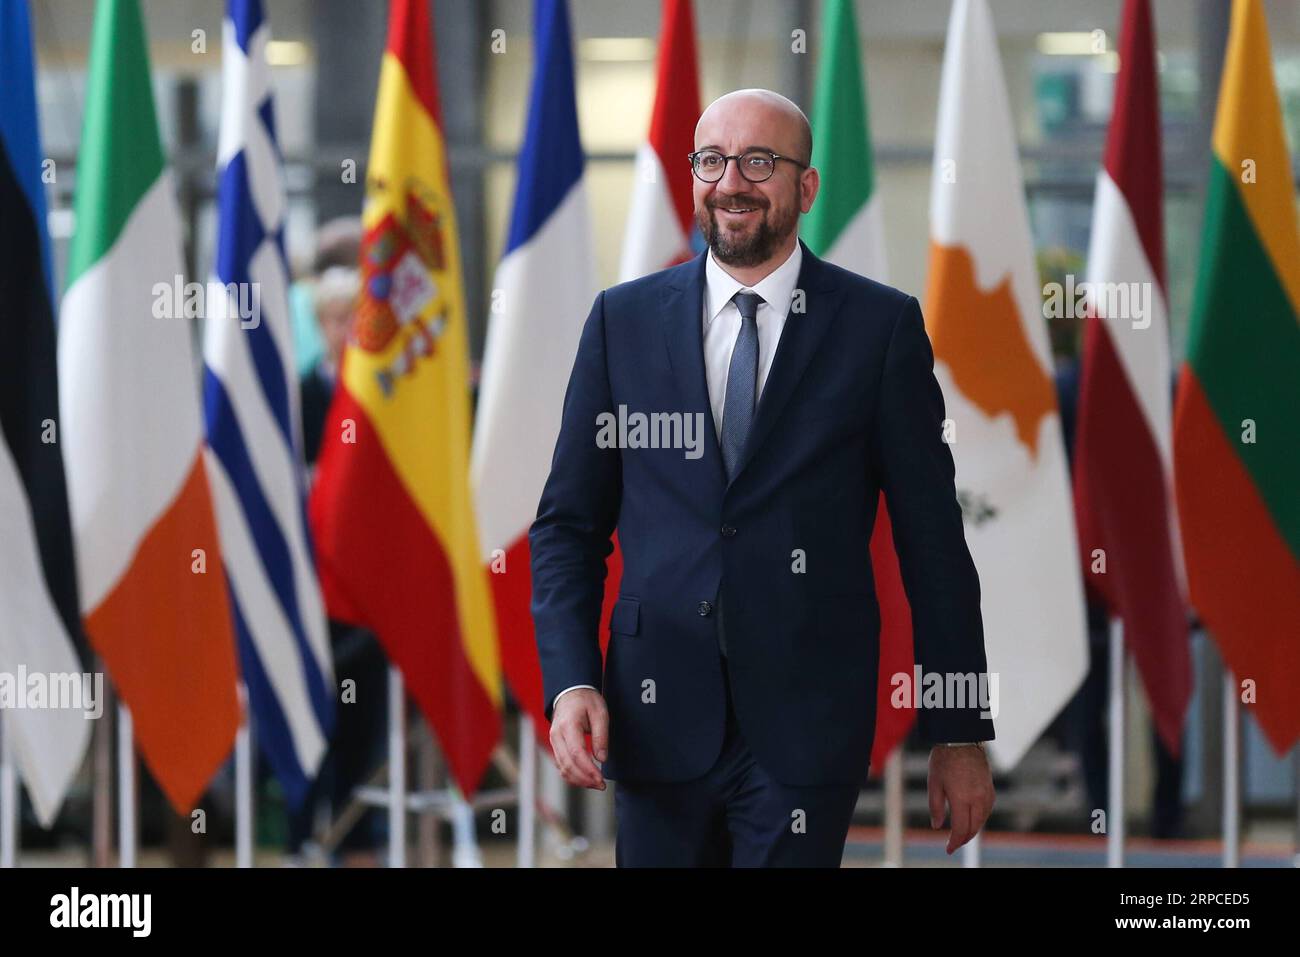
[705, 609]
[728, 531]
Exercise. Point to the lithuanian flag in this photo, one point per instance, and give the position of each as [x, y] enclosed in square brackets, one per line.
[1236, 435]
[392, 510]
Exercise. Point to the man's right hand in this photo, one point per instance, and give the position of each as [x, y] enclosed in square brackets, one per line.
[578, 713]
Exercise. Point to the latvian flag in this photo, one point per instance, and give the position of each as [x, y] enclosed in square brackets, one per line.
[1123, 463]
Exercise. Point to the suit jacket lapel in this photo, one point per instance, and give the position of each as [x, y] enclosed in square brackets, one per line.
[684, 337]
[800, 337]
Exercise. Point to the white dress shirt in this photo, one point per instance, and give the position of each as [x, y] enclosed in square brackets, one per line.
[722, 326]
[722, 322]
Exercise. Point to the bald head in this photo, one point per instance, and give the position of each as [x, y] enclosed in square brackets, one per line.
[770, 119]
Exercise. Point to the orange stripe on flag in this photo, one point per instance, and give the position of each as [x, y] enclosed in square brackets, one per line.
[164, 631]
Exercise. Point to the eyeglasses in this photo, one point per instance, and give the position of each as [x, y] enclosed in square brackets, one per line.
[757, 166]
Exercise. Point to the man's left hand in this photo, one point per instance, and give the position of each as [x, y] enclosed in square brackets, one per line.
[961, 777]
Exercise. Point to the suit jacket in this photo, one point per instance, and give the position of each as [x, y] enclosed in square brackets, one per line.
[850, 407]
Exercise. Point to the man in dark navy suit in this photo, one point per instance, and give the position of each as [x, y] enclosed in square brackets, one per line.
[735, 419]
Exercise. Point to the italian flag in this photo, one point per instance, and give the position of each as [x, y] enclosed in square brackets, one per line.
[845, 227]
[153, 592]
[1236, 432]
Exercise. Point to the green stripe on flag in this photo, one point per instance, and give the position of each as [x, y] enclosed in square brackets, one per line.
[1244, 346]
[121, 155]
[841, 143]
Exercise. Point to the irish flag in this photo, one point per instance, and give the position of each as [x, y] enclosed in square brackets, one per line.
[1236, 434]
[845, 227]
[1123, 462]
[984, 314]
[391, 510]
[153, 592]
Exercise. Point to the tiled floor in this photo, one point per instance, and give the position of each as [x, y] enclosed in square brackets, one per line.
[1273, 848]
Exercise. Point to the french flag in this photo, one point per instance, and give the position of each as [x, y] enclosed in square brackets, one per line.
[1123, 463]
[541, 295]
[660, 227]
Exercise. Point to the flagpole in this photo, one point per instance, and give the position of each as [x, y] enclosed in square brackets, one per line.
[1231, 773]
[554, 794]
[8, 801]
[1115, 747]
[464, 846]
[1295, 755]
[894, 791]
[244, 783]
[527, 850]
[126, 813]
[396, 769]
[101, 827]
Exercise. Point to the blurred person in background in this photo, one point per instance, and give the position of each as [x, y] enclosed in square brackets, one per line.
[337, 243]
[1083, 724]
[357, 746]
[334, 296]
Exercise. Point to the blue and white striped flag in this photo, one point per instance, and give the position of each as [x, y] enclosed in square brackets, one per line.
[251, 405]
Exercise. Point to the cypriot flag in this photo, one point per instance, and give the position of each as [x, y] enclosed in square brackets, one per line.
[984, 315]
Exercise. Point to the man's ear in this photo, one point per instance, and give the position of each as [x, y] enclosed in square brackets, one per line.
[809, 183]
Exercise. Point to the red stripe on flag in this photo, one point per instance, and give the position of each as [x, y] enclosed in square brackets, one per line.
[896, 651]
[1122, 504]
[382, 566]
[1243, 579]
[512, 597]
[677, 105]
[1133, 142]
[410, 39]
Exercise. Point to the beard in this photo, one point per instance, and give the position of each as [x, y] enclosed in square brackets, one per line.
[744, 248]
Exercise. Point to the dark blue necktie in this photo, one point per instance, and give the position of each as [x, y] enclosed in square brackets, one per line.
[742, 382]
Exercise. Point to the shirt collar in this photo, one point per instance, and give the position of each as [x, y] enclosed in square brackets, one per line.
[776, 288]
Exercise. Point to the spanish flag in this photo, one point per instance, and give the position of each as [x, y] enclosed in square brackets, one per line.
[1236, 438]
[392, 511]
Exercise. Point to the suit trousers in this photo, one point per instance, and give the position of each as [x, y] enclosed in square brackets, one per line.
[735, 815]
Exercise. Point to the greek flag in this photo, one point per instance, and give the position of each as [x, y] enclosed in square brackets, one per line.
[251, 407]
